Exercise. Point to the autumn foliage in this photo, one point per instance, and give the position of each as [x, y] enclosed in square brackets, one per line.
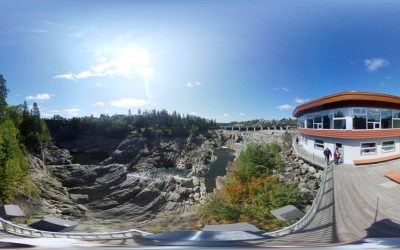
[250, 192]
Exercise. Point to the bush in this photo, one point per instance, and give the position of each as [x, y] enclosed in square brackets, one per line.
[250, 193]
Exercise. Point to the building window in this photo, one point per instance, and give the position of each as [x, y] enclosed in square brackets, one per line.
[309, 123]
[396, 119]
[319, 144]
[339, 123]
[318, 122]
[339, 119]
[388, 146]
[359, 118]
[386, 118]
[327, 121]
[359, 122]
[373, 119]
[368, 148]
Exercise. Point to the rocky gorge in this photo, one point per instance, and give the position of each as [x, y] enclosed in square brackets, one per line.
[117, 194]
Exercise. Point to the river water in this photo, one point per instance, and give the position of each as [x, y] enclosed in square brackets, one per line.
[218, 168]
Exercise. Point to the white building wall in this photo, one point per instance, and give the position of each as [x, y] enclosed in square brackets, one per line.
[351, 148]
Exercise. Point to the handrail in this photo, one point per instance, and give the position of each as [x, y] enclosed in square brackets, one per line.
[310, 213]
[12, 228]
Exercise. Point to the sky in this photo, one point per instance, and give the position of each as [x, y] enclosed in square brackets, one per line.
[226, 60]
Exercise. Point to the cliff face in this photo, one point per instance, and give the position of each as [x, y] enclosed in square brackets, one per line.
[113, 190]
[193, 154]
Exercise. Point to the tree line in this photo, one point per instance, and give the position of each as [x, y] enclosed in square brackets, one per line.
[143, 123]
[21, 130]
[265, 123]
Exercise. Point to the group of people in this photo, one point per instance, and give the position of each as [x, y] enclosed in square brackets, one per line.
[328, 154]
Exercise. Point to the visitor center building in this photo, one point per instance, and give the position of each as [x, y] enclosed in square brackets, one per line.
[364, 127]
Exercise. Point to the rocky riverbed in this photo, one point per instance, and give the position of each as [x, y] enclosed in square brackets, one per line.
[119, 193]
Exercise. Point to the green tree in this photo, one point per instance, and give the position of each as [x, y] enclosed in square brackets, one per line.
[3, 95]
[13, 166]
[35, 110]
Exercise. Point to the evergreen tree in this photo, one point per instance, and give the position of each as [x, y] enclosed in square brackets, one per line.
[13, 165]
[35, 110]
[3, 92]
[25, 110]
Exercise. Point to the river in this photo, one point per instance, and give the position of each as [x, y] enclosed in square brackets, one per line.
[218, 168]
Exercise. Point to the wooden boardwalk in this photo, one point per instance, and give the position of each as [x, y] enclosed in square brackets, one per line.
[359, 202]
[367, 204]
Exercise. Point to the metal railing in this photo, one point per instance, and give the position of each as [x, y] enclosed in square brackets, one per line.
[18, 230]
[310, 213]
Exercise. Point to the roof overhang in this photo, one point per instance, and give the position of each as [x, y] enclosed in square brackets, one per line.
[349, 99]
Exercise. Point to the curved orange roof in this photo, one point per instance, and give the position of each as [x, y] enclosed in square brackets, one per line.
[349, 99]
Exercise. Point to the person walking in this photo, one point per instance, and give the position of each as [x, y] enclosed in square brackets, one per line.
[336, 156]
[328, 154]
[297, 140]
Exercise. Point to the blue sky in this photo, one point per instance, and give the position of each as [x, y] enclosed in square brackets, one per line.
[226, 60]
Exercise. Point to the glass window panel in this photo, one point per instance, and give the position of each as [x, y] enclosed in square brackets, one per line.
[373, 115]
[396, 114]
[309, 123]
[318, 119]
[339, 113]
[319, 144]
[359, 122]
[368, 145]
[327, 120]
[388, 146]
[359, 111]
[396, 123]
[386, 118]
[339, 124]
[368, 148]
[370, 125]
[387, 143]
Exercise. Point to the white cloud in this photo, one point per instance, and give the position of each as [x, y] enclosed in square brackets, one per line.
[301, 100]
[382, 84]
[242, 114]
[128, 103]
[129, 62]
[193, 113]
[70, 112]
[283, 89]
[373, 64]
[39, 97]
[225, 115]
[68, 76]
[192, 84]
[285, 107]
[97, 104]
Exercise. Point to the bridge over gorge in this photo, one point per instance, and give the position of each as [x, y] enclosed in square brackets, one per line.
[257, 128]
[352, 203]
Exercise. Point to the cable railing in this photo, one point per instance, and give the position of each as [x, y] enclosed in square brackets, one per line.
[310, 213]
[18, 230]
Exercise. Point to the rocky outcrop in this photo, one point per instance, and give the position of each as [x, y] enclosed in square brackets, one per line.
[193, 154]
[55, 156]
[53, 197]
[109, 192]
[298, 172]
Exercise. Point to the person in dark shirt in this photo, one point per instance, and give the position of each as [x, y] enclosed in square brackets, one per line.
[327, 154]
